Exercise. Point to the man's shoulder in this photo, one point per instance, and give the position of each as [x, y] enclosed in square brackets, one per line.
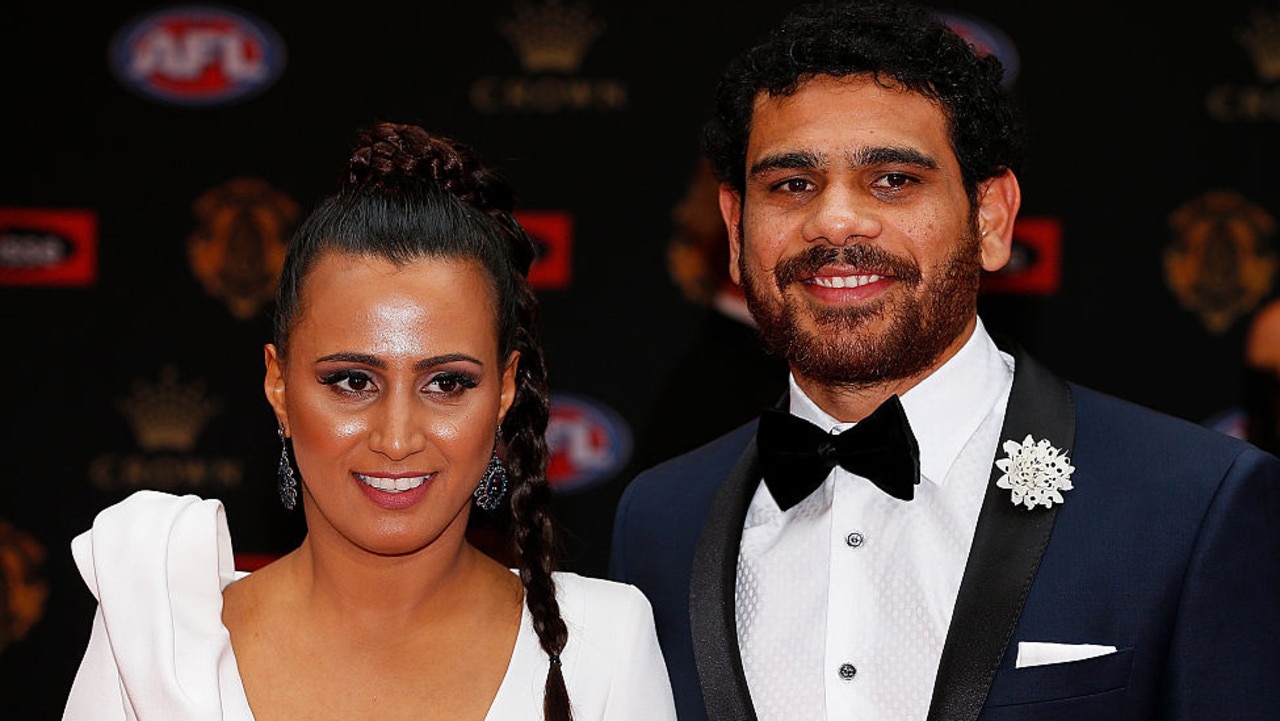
[1115, 426]
[1130, 419]
[707, 463]
[682, 488]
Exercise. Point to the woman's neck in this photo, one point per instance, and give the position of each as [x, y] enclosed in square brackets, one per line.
[332, 630]
[344, 585]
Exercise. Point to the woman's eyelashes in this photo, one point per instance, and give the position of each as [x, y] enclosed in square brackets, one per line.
[359, 384]
[451, 383]
[349, 382]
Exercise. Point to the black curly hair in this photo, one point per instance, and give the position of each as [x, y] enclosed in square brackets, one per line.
[895, 43]
[407, 195]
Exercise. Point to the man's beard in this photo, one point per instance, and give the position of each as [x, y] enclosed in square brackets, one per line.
[922, 322]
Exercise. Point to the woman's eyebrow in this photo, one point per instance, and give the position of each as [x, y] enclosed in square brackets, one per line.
[374, 361]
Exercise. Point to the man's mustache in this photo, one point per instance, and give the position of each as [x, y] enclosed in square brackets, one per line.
[868, 259]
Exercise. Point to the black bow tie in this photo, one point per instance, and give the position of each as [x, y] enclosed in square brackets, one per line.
[796, 456]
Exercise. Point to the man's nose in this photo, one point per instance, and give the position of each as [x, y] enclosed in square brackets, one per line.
[840, 215]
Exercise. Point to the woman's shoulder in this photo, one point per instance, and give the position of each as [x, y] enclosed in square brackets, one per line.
[613, 664]
[595, 603]
[157, 563]
[572, 586]
[146, 511]
[179, 540]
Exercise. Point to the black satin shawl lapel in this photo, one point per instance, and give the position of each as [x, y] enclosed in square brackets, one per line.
[712, 615]
[1007, 546]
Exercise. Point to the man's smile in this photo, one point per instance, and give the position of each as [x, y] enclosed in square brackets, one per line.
[843, 281]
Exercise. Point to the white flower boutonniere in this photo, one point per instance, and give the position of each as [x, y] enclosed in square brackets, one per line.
[1035, 472]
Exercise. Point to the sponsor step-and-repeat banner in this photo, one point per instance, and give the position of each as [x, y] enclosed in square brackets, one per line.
[159, 156]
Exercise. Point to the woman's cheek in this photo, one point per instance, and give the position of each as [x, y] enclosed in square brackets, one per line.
[349, 428]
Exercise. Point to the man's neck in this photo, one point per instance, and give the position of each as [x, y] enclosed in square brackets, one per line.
[848, 403]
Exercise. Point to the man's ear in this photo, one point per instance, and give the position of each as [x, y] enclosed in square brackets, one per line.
[273, 385]
[998, 201]
[731, 211]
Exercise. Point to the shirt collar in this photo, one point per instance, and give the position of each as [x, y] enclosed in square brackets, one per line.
[944, 409]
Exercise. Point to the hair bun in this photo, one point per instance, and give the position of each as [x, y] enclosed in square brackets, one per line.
[394, 159]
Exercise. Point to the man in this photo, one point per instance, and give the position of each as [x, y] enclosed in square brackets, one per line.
[987, 541]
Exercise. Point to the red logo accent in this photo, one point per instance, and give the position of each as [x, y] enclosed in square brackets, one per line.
[48, 247]
[552, 233]
[1035, 266]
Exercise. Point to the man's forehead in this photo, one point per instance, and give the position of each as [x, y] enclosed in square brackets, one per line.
[822, 113]
[852, 81]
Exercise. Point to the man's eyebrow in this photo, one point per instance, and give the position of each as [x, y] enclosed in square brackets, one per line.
[862, 157]
[795, 160]
[891, 155]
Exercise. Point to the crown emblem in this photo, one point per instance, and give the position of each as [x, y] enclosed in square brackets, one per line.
[1261, 39]
[167, 415]
[551, 37]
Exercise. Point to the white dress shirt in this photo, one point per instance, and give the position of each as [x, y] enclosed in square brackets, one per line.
[844, 600]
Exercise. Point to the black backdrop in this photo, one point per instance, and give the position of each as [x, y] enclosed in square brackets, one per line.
[141, 377]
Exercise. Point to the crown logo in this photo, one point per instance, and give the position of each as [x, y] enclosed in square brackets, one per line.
[1261, 39]
[167, 415]
[551, 37]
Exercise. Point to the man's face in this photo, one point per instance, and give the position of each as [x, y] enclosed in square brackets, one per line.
[855, 240]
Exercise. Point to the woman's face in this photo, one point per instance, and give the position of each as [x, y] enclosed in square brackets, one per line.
[392, 392]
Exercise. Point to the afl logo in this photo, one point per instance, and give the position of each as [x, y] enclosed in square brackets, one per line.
[588, 442]
[197, 55]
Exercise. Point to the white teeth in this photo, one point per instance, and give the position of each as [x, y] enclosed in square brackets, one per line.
[392, 485]
[845, 281]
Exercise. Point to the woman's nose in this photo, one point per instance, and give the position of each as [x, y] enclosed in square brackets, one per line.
[395, 430]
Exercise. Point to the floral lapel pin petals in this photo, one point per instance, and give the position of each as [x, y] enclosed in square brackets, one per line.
[1035, 473]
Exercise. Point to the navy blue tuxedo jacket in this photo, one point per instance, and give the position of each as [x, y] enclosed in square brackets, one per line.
[1167, 548]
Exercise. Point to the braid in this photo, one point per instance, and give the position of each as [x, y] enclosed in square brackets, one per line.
[533, 532]
[390, 157]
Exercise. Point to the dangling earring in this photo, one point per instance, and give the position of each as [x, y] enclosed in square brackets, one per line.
[288, 485]
[493, 484]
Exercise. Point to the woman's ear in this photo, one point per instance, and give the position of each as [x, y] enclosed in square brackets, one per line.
[273, 385]
[508, 384]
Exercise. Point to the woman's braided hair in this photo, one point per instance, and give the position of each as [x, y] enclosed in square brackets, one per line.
[408, 195]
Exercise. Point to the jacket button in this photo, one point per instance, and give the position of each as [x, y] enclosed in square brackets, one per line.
[855, 539]
[847, 671]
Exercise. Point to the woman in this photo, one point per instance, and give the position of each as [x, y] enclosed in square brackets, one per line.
[407, 375]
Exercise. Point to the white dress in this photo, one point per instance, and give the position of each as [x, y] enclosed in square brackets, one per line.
[157, 564]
